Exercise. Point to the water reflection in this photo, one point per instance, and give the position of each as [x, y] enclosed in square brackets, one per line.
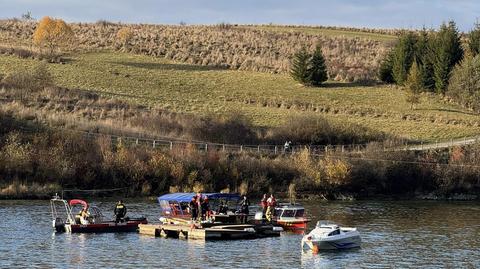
[394, 234]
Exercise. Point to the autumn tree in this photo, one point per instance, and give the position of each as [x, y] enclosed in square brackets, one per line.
[124, 36]
[414, 84]
[52, 34]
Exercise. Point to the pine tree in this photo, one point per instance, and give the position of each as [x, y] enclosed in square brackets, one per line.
[300, 65]
[317, 69]
[448, 52]
[474, 40]
[403, 57]
[414, 85]
[385, 72]
[424, 50]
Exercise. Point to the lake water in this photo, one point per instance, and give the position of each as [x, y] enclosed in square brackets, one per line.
[395, 234]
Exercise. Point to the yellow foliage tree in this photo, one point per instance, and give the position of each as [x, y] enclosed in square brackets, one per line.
[52, 34]
[125, 35]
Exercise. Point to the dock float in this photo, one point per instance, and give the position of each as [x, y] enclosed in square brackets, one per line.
[221, 232]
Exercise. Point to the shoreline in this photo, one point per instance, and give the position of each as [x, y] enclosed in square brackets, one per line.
[346, 197]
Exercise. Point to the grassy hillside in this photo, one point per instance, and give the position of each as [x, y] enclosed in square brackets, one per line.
[350, 55]
[377, 35]
[268, 99]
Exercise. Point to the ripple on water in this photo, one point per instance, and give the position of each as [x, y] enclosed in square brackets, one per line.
[395, 234]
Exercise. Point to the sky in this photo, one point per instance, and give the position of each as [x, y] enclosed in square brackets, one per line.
[355, 13]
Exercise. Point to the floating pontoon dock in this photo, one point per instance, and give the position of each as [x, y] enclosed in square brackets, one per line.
[221, 232]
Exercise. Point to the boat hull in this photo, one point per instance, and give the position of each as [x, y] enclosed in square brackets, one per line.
[333, 244]
[105, 227]
[292, 225]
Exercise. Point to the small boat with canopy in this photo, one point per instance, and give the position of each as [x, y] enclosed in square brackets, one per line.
[223, 206]
[65, 220]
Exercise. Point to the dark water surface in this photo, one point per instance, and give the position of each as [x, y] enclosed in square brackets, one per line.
[397, 234]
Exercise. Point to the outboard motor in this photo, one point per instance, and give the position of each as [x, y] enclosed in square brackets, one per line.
[59, 225]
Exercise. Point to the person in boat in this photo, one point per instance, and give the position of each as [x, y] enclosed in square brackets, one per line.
[120, 211]
[205, 208]
[263, 204]
[222, 208]
[84, 216]
[194, 208]
[271, 203]
[244, 204]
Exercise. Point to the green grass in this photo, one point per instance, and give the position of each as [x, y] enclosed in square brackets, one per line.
[326, 32]
[267, 99]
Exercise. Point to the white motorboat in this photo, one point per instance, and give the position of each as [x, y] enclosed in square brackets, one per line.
[330, 237]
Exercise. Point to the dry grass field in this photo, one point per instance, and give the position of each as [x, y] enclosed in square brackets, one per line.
[268, 99]
[350, 55]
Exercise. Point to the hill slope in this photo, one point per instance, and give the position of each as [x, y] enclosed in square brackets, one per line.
[350, 55]
[267, 99]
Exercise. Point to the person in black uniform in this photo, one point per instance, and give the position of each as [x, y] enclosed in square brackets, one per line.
[194, 208]
[244, 204]
[120, 211]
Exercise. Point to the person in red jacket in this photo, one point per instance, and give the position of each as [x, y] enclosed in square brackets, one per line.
[263, 204]
[271, 203]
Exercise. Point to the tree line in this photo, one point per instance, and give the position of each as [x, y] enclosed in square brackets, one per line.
[431, 61]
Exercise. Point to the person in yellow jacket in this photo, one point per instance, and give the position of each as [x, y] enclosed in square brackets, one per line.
[83, 216]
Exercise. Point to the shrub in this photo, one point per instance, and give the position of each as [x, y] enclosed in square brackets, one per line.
[125, 36]
[464, 86]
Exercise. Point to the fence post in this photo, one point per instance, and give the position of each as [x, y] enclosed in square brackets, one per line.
[326, 149]
[136, 141]
[223, 147]
[153, 144]
[171, 145]
[275, 150]
[343, 148]
[258, 148]
[241, 148]
[206, 147]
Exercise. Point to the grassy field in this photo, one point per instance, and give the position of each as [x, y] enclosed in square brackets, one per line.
[326, 32]
[268, 99]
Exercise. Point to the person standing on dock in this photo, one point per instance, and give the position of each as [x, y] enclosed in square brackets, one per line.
[120, 211]
[263, 204]
[205, 208]
[194, 208]
[271, 203]
[244, 204]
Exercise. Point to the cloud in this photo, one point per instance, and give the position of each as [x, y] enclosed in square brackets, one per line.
[358, 13]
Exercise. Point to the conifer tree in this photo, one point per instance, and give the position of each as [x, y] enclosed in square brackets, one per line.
[317, 69]
[300, 66]
[414, 84]
[424, 50]
[403, 57]
[474, 40]
[448, 52]
[385, 72]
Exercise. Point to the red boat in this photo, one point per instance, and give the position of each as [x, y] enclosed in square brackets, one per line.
[94, 223]
[291, 217]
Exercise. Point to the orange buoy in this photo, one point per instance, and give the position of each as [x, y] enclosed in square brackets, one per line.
[315, 249]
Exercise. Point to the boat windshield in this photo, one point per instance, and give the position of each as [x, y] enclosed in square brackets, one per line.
[299, 213]
[288, 213]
